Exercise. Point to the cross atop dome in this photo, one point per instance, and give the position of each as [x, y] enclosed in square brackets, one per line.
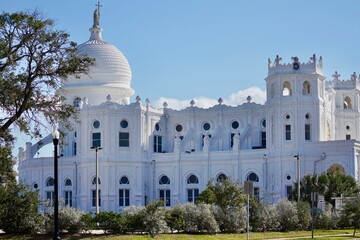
[96, 30]
[97, 15]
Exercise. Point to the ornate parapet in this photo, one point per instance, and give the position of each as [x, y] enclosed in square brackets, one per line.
[352, 83]
[314, 66]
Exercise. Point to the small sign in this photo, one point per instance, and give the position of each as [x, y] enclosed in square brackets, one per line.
[248, 188]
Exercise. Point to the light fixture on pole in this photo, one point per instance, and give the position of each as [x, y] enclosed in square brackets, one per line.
[298, 176]
[56, 136]
[97, 178]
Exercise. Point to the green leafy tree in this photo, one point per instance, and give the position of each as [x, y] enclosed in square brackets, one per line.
[34, 58]
[311, 183]
[229, 200]
[340, 184]
[18, 209]
[351, 211]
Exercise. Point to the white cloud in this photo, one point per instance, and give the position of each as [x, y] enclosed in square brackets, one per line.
[258, 96]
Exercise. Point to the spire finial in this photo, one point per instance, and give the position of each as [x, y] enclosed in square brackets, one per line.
[97, 15]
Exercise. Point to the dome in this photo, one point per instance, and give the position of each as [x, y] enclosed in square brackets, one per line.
[109, 60]
[110, 74]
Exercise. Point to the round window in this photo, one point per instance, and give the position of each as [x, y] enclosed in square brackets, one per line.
[347, 127]
[96, 124]
[221, 177]
[206, 126]
[288, 177]
[36, 186]
[164, 180]
[287, 116]
[124, 180]
[235, 125]
[307, 116]
[192, 179]
[179, 128]
[124, 124]
[68, 182]
[157, 127]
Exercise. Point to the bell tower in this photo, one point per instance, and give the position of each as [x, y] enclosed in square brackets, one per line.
[295, 103]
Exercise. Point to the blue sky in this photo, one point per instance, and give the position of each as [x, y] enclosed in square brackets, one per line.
[206, 49]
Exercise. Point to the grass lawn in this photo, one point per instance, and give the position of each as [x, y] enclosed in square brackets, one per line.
[267, 235]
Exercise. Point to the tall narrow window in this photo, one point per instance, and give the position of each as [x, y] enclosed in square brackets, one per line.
[307, 132]
[68, 198]
[306, 88]
[289, 192]
[193, 195]
[94, 198]
[50, 197]
[74, 149]
[124, 192]
[164, 195]
[96, 140]
[286, 89]
[157, 143]
[287, 132]
[347, 103]
[348, 137]
[124, 197]
[263, 139]
[124, 139]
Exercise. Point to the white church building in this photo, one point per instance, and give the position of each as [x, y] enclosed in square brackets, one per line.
[306, 126]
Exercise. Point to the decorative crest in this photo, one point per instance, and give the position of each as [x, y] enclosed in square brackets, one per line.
[277, 60]
[296, 64]
[336, 76]
[353, 77]
[313, 58]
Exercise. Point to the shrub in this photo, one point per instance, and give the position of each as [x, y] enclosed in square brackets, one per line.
[287, 215]
[304, 215]
[325, 220]
[175, 218]
[154, 218]
[199, 218]
[70, 219]
[230, 220]
[133, 218]
[110, 222]
[18, 209]
[263, 217]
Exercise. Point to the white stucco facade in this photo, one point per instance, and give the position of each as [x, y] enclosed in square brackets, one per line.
[171, 154]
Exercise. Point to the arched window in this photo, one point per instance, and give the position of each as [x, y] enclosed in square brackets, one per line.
[347, 103]
[272, 90]
[164, 180]
[50, 182]
[68, 182]
[252, 177]
[306, 88]
[124, 180]
[286, 89]
[94, 181]
[221, 177]
[192, 179]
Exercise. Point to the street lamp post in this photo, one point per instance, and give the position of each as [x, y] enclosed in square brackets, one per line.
[56, 136]
[298, 177]
[97, 178]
